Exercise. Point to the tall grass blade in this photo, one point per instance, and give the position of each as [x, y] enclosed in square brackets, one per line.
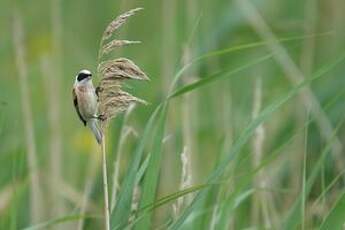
[122, 210]
[57, 221]
[328, 188]
[229, 50]
[245, 136]
[36, 205]
[294, 216]
[336, 218]
[163, 201]
[217, 76]
[152, 173]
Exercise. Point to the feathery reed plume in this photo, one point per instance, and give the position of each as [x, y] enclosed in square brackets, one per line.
[185, 181]
[117, 23]
[259, 199]
[135, 203]
[112, 99]
[109, 32]
[107, 48]
[189, 106]
[35, 185]
[121, 68]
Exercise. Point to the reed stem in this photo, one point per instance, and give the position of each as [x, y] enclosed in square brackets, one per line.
[105, 186]
[36, 206]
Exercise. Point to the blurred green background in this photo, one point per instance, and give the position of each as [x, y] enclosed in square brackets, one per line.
[287, 174]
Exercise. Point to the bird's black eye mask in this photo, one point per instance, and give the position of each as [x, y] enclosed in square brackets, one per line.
[82, 76]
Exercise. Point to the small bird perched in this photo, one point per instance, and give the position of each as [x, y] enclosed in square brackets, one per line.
[85, 101]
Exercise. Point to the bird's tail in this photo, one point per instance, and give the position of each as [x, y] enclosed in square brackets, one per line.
[93, 125]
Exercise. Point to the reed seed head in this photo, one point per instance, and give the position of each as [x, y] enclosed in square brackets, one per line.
[117, 23]
[112, 99]
[121, 69]
[110, 46]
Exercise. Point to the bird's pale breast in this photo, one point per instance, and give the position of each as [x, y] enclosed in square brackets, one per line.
[87, 101]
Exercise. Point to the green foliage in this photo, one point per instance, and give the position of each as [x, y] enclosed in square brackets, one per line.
[203, 59]
[152, 173]
[335, 219]
[120, 214]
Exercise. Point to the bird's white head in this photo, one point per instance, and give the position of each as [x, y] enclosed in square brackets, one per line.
[83, 76]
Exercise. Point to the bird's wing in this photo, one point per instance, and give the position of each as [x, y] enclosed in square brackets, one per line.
[75, 102]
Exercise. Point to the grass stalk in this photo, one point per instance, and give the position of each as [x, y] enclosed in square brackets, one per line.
[304, 178]
[168, 44]
[123, 133]
[185, 181]
[116, 174]
[105, 186]
[189, 109]
[89, 183]
[167, 67]
[36, 204]
[308, 51]
[53, 111]
[52, 73]
[257, 149]
[294, 75]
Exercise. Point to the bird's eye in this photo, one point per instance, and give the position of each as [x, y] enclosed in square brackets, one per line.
[82, 76]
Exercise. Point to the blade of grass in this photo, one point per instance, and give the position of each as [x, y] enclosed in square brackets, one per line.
[152, 174]
[327, 189]
[124, 133]
[122, 209]
[229, 50]
[294, 215]
[336, 218]
[304, 195]
[233, 201]
[217, 76]
[172, 197]
[225, 210]
[56, 221]
[293, 74]
[247, 133]
[142, 169]
[163, 201]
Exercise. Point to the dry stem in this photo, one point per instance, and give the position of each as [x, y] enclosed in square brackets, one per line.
[35, 188]
[112, 99]
[86, 203]
[105, 185]
[260, 201]
[54, 84]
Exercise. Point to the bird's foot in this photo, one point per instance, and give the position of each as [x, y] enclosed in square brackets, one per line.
[101, 117]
